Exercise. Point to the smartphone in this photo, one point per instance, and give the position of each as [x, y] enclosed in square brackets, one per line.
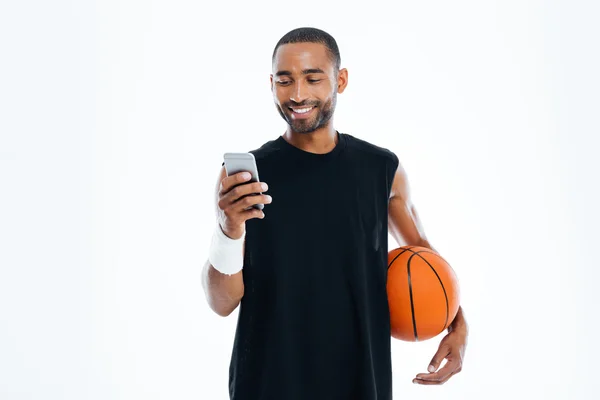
[240, 162]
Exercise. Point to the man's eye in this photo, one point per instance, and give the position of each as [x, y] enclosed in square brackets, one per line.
[314, 80]
[284, 82]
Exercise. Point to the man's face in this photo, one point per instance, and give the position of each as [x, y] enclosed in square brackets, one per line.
[305, 85]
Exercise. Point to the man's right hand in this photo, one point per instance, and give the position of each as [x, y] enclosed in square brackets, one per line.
[236, 194]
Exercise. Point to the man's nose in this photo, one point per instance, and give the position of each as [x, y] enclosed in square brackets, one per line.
[299, 93]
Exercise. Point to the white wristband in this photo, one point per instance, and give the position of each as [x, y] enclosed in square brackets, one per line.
[226, 254]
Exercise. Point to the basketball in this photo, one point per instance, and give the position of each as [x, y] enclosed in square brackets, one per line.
[423, 293]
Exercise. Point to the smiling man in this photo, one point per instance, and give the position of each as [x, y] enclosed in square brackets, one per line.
[309, 271]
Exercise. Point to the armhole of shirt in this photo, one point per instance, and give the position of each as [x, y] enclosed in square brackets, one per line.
[392, 166]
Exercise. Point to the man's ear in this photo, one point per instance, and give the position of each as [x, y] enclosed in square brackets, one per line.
[342, 80]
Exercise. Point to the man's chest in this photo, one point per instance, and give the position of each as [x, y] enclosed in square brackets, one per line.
[332, 201]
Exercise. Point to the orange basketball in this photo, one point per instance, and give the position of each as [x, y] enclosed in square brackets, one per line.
[423, 293]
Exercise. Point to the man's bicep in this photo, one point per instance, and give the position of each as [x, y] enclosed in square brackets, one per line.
[403, 220]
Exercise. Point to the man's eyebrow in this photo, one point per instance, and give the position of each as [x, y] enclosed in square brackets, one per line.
[304, 71]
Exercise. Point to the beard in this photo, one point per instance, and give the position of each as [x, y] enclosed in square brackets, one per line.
[323, 113]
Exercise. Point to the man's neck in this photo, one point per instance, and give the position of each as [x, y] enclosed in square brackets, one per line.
[320, 141]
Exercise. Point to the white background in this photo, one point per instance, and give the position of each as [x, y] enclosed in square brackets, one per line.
[114, 116]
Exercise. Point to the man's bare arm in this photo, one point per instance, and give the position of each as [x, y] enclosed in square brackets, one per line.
[224, 292]
[403, 221]
[406, 228]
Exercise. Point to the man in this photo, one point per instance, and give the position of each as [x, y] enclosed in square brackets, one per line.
[309, 270]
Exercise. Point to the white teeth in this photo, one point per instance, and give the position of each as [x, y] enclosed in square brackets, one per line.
[301, 110]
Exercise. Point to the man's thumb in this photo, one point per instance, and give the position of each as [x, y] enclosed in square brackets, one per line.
[437, 359]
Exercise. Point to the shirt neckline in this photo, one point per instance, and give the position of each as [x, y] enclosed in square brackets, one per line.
[341, 144]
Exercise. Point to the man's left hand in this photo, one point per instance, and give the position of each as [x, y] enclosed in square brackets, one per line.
[452, 348]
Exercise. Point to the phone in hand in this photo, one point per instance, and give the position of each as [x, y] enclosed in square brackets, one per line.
[240, 162]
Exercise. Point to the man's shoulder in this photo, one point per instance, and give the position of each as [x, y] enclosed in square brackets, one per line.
[267, 149]
[260, 153]
[370, 149]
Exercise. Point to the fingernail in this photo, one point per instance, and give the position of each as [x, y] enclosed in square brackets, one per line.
[431, 368]
[269, 199]
[414, 381]
[264, 186]
[246, 176]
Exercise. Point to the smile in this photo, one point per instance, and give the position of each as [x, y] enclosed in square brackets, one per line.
[301, 113]
[301, 110]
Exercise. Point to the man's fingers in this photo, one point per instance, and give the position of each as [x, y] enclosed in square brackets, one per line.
[244, 215]
[437, 359]
[429, 382]
[440, 376]
[251, 200]
[238, 193]
[232, 180]
[254, 213]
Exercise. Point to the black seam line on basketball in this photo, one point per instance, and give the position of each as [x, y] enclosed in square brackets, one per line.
[412, 306]
[399, 254]
[410, 283]
[409, 248]
[422, 251]
[439, 279]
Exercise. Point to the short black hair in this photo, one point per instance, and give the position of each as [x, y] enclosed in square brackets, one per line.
[312, 35]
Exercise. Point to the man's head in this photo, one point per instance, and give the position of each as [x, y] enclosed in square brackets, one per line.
[307, 75]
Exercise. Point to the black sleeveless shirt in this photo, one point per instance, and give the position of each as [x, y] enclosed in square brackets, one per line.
[314, 320]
